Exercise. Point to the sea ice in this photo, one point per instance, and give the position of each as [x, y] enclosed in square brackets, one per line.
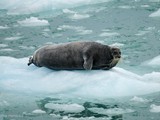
[154, 108]
[79, 16]
[155, 62]
[79, 29]
[117, 45]
[155, 14]
[15, 75]
[32, 6]
[68, 11]
[3, 45]
[109, 34]
[7, 50]
[111, 111]
[13, 38]
[139, 99]
[38, 111]
[4, 27]
[69, 108]
[33, 21]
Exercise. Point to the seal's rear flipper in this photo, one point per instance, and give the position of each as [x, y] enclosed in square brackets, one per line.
[30, 60]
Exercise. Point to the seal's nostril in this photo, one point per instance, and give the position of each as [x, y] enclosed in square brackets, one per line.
[118, 56]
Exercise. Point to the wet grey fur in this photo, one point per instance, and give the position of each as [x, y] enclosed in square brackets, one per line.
[74, 55]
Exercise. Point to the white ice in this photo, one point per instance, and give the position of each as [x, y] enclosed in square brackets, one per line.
[32, 6]
[26, 47]
[79, 29]
[3, 45]
[109, 34]
[33, 21]
[4, 27]
[69, 108]
[117, 45]
[155, 14]
[7, 50]
[79, 16]
[155, 108]
[13, 38]
[126, 7]
[154, 62]
[15, 75]
[38, 111]
[139, 99]
[67, 11]
[111, 111]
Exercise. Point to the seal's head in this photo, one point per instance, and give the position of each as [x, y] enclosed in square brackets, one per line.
[30, 60]
[116, 54]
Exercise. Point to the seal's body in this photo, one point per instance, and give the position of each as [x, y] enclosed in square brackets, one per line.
[76, 55]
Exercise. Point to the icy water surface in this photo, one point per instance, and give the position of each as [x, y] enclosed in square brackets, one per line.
[130, 91]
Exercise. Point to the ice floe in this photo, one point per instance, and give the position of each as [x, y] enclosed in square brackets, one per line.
[32, 6]
[117, 45]
[79, 29]
[155, 108]
[109, 34]
[38, 111]
[79, 16]
[3, 45]
[13, 38]
[155, 62]
[139, 99]
[69, 108]
[111, 111]
[117, 82]
[4, 27]
[33, 21]
[7, 50]
[155, 14]
[68, 11]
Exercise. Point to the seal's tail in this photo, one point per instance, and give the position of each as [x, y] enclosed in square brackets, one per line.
[30, 60]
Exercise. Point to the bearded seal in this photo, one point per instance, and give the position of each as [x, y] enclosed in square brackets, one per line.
[76, 55]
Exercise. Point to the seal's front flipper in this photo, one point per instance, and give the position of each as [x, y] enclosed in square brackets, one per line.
[30, 60]
[88, 62]
[106, 68]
